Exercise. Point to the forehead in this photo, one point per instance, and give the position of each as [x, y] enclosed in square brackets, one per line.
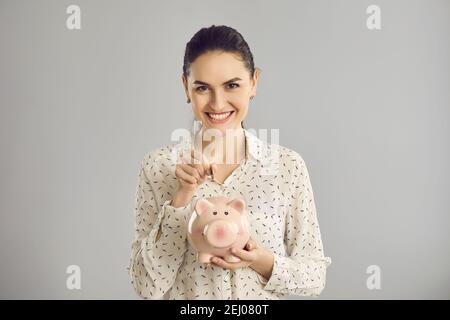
[215, 67]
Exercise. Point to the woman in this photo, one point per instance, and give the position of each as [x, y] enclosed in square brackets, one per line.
[285, 254]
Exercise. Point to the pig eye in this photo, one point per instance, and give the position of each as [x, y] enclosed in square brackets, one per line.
[226, 213]
[215, 212]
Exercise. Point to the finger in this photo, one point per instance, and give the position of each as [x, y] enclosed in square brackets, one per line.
[251, 245]
[206, 163]
[243, 254]
[208, 168]
[182, 158]
[187, 182]
[197, 162]
[191, 171]
[213, 169]
[201, 180]
[227, 265]
[185, 158]
[180, 173]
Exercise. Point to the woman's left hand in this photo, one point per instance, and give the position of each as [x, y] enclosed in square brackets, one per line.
[254, 256]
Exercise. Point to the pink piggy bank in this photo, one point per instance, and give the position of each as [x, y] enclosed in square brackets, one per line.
[216, 225]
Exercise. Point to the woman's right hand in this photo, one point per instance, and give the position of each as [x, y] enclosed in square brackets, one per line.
[191, 171]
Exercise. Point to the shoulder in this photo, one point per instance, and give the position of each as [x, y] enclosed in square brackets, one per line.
[159, 161]
[292, 166]
[290, 155]
[268, 152]
[287, 157]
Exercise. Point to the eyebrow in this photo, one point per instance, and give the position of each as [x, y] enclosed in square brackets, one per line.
[226, 82]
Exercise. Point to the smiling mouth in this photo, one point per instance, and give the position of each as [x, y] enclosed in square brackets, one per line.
[219, 117]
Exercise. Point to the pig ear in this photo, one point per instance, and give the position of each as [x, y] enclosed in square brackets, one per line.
[202, 206]
[237, 204]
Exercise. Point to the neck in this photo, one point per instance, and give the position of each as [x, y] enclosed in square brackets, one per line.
[226, 148]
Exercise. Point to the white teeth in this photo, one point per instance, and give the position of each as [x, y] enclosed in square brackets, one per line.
[220, 116]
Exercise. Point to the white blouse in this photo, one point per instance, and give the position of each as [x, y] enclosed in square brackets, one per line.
[274, 182]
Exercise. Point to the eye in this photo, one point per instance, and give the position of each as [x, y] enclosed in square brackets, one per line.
[201, 88]
[233, 85]
[226, 213]
[215, 212]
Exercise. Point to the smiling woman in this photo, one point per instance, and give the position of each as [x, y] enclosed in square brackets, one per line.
[219, 77]
[284, 255]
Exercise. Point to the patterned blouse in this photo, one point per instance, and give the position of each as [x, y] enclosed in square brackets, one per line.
[274, 182]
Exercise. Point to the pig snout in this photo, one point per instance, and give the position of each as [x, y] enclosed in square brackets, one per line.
[221, 233]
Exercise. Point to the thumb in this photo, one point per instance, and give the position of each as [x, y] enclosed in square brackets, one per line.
[251, 245]
[213, 169]
[206, 165]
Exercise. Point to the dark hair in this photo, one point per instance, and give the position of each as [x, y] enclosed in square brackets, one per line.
[220, 38]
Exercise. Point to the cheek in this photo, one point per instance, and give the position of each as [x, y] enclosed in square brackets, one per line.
[240, 98]
[199, 100]
[241, 101]
[242, 111]
[196, 106]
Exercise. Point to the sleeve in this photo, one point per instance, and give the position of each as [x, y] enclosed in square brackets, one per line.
[303, 271]
[154, 263]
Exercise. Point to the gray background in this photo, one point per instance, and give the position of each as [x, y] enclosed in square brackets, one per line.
[367, 110]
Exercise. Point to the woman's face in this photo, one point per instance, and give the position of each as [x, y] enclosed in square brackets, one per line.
[219, 87]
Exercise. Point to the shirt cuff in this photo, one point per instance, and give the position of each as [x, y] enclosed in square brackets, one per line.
[261, 279]
[279, 267]
[175, 218]
[171, 221]
[284, 281]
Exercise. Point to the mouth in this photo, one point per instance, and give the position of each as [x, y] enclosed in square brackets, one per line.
[219, 117]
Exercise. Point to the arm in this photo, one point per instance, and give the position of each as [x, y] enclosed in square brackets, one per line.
[155, 260]
[303, 271]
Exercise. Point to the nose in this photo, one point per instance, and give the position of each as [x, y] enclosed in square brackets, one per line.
[218, 101]
[221, 233]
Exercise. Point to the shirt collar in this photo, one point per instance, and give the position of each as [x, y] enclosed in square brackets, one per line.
[255, 146]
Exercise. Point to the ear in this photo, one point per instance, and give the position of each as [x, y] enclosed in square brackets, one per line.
[185, 85]
[254, 82]
[202, 206]
[237, 204]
